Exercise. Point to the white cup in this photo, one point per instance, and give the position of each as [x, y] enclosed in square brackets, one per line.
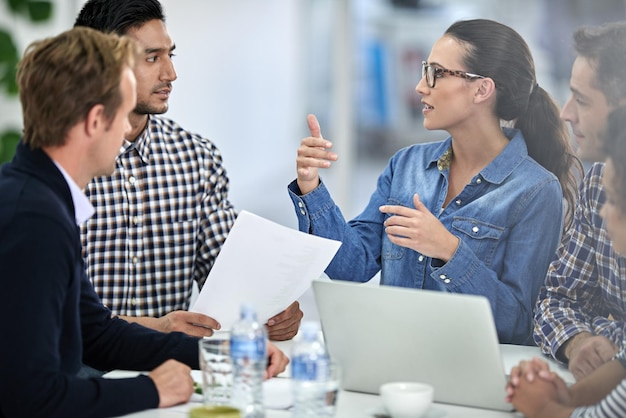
[407, 399]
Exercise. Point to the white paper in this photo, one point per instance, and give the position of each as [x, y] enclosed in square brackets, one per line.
[264, 264]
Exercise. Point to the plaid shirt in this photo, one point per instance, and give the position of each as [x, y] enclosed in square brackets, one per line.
[587, 280]
[161, 219]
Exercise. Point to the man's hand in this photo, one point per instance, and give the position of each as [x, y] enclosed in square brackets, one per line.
[284, 326]
[191, 323]
[173, 382]
[538, 399]
[532, 370]
[277, 361]
[586, 352]
[528, 370]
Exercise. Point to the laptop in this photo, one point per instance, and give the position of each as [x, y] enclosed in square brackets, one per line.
[382, 334]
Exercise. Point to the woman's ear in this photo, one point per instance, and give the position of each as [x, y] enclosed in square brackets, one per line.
[486, 89]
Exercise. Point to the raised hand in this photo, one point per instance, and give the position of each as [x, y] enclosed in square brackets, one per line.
[313, 154]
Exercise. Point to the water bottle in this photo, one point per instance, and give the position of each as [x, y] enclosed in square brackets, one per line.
[314, 393]
[248, 351]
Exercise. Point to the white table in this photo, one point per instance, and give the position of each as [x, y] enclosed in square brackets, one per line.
[354, 405]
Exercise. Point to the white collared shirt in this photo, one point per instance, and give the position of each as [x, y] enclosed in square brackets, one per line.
[82, 207]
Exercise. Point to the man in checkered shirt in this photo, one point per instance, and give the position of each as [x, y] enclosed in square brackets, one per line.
[163, 215]
[580, 316]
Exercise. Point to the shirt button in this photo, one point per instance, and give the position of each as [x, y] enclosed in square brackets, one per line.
[475, 229]
[135, 259]
[478, 181]
[132, 180]
[420, 258]
[133, 301]
[300, 204]
[458, 202]
[446, 281]
[442, 276]
[135, 220]
[302, 212]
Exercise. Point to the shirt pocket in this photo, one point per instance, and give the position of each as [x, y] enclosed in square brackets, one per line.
[175, 238]
[482, 237]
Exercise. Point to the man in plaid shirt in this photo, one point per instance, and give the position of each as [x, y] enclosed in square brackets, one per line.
[580, 313]
[163, 215]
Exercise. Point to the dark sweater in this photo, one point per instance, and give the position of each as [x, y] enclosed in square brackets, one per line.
[51, 320]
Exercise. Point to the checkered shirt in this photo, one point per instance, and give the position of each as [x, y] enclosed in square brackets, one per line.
[160, 221]
[587, 280]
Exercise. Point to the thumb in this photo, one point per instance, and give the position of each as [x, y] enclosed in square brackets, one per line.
[418, 203]
[314, 126]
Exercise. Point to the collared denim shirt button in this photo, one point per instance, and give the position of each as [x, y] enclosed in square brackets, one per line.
[301, 206]
[442, 276]
[458, 202]
[420, 258]
[478, 181]
[446, 281]
[475, 230]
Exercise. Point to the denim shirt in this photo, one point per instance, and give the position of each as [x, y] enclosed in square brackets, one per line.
[508, 219]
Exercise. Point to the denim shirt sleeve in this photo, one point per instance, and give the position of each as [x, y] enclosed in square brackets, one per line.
[357, 259]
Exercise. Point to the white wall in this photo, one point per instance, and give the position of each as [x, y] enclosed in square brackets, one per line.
[240, 73]
[240, 81]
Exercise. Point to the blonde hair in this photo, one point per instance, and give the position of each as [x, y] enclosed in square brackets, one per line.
[61, 78]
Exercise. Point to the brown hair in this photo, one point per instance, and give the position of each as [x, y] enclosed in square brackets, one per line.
[605, 47]
[61, 78]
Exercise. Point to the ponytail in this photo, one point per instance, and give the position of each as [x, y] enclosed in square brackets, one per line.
[548, 143]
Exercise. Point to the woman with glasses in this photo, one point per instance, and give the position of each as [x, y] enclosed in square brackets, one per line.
[478, 213]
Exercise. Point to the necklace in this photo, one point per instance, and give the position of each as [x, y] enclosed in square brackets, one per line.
[445, 160]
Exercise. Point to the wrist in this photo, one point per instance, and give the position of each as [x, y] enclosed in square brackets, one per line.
[552, 409]
[571, 346]
[453, 246]
[307, 186]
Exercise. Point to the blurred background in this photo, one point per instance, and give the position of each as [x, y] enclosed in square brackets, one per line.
[250, 71]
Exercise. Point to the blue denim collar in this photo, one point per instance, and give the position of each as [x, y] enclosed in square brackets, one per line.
[502, 166]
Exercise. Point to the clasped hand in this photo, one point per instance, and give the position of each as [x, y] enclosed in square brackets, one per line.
[533, 388]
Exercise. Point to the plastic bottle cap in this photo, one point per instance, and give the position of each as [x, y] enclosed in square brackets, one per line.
[248, 311]
[310, 330]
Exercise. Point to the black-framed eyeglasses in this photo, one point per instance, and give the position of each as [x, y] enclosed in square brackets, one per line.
[432, 73]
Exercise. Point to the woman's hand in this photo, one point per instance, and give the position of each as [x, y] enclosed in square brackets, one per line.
[419, 230]
[313, 154]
